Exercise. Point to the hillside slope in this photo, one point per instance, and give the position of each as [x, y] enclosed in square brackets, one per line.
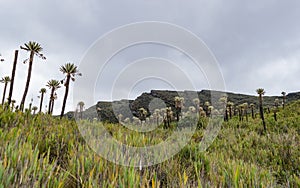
[44, 151]
[129, 108]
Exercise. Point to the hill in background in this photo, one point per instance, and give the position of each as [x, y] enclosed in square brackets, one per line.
[109, 110]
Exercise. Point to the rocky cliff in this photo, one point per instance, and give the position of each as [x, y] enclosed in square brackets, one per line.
[108, 111]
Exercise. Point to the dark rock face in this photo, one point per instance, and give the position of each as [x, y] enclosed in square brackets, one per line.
[109, 111]
[292, 96]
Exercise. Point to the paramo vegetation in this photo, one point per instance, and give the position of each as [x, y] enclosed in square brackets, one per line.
[69, 70]
[254, 148]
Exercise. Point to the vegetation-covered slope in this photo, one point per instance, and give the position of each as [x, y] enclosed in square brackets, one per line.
[142, 101]
[42, 151]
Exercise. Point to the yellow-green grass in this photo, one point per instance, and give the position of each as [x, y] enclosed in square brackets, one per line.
[43, 151]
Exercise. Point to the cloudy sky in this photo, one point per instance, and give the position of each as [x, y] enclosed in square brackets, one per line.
[256, 43]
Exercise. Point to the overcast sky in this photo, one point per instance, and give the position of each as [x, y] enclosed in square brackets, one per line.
[256, 43]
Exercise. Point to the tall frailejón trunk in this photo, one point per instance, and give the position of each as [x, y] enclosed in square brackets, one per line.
[41, 103]
[226, 115]
[12, 78]
[252, 112]
[4, 92]
[178, 112]
[27, 81]
[66, 96]
[50, 101]
[261, 111]
[52, 106]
